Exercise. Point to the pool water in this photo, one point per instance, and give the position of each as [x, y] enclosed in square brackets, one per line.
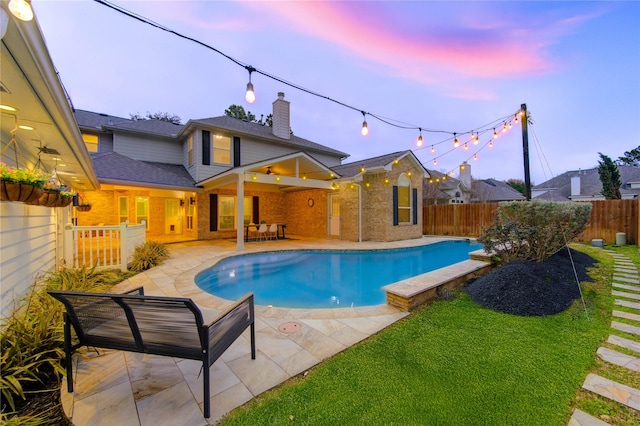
[326, 278]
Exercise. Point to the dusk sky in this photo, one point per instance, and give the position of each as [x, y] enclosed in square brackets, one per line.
[446, 66]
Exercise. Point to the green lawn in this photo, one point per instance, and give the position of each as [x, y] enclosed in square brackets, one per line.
[452, 363]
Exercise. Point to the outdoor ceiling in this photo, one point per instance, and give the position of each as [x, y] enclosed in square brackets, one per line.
[29, 83]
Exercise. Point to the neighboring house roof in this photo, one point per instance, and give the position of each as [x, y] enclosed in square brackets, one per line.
[115, 168]
[559, 187]
[98, 121]
[491, 190]
[256, 129]
[382, 162]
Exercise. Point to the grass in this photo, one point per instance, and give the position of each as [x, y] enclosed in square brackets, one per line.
[454, 362]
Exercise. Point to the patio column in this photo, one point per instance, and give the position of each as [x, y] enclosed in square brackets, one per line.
[240, 212]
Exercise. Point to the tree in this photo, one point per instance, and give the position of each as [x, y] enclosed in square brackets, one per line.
[518, 185]
[610, 178]
[162, 116]
[630, 158]
[237, 111]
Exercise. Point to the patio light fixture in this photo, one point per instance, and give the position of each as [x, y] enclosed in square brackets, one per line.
[419, 143]
[251, 95]
[21, 9]
[365, 128]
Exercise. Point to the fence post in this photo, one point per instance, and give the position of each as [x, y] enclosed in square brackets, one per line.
[67, 250]
[123, 246]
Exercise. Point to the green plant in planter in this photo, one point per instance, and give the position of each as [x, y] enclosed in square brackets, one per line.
[36, 178]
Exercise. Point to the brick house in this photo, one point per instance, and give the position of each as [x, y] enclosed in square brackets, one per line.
[212, 177]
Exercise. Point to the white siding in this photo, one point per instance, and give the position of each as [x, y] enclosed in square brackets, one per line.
[148, 149]
[28, 249]
[252, 151]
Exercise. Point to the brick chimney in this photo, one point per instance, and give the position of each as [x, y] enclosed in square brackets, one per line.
[465, 174]
[281, 121]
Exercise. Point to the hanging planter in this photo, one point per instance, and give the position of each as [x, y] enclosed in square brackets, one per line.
[84, 207]
[19, 184]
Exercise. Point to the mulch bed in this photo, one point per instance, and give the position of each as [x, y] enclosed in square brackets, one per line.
[529, 288]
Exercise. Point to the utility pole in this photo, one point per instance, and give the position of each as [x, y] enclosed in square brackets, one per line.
[525, 150]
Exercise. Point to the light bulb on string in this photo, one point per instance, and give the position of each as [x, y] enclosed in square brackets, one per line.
[495, 134]
[490, 144]
[475, 156]
[435, 161]
[510, 126]
[365, 128]
[476, 139]
[466, 146]
[433, 150]
[504, 127]
[516, 118]
[455, 141]
[419, 143]
[250, 96]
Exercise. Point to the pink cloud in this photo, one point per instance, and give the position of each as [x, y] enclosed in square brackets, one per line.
[447, 55]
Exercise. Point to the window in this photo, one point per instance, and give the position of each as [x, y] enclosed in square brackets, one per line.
[190, 148]
[221, 149]
[190, 209]
[91, 142]
[142, 210]
[404, 199]
[228, 212]
[123, 209]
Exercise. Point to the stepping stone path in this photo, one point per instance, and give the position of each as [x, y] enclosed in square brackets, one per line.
[626, 289]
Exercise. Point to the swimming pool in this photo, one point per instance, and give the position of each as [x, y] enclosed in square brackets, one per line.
[326, 278]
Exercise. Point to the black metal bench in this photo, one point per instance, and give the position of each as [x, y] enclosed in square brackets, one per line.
[169, 326]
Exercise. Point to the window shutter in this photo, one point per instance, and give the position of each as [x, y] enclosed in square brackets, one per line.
[256, 210]
[206, 147]
[415, 206]
[213, 212]
[395, 205]
[236, 153]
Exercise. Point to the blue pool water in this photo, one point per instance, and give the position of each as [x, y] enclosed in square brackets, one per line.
[325, 278]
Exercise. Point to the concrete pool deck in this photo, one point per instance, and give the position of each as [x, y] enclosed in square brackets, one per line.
[114, 387]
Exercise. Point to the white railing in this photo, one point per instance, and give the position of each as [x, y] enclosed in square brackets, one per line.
[104, 246]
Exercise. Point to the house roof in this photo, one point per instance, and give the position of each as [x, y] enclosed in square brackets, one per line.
[381, 162]
[445, 184]
[256, 129]
[92, 120]
[559, 187]
[114, 168]
[492, 190]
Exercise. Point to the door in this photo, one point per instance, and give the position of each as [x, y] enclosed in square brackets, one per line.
[172, 216]
[334, 216]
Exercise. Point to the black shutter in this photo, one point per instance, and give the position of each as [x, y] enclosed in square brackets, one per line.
[395, 205]
[256, 210]
[415, 206]
[213, 212]
[236, 153]
[206, 147]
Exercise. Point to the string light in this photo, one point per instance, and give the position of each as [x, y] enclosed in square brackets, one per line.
[419, 143]
[466, 146]
[435, 161]
[250, 96]
[433, 150]
[490, 144]
[504, 127]
[365, 128]
[495, 135]
[455, 141]
[476, 140]
[516, 118]
[475, 156]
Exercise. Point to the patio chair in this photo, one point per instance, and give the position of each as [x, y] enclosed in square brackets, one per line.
[272, 233]
[252, 231]
[262, 231]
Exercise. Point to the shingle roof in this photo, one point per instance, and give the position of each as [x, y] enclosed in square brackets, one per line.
[493, 190]
[113, 166]
[93, 120]
[352, 169]
[265, 132]
[590, 184]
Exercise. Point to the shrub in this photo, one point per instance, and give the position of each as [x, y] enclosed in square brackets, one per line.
[148, 255]
[32, 338]
[534, 230]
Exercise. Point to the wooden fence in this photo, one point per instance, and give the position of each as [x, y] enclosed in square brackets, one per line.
[608, 217]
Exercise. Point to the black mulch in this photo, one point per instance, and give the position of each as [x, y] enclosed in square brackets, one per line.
[529, 288]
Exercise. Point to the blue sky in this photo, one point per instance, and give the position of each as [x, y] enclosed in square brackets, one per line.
[449, 66]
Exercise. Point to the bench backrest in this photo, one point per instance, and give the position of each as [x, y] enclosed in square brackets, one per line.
[158, 325]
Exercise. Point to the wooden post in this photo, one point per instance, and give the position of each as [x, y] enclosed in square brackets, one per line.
[123, 247]
[68, 245]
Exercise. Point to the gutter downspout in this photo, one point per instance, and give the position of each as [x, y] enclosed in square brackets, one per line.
[359, 211]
